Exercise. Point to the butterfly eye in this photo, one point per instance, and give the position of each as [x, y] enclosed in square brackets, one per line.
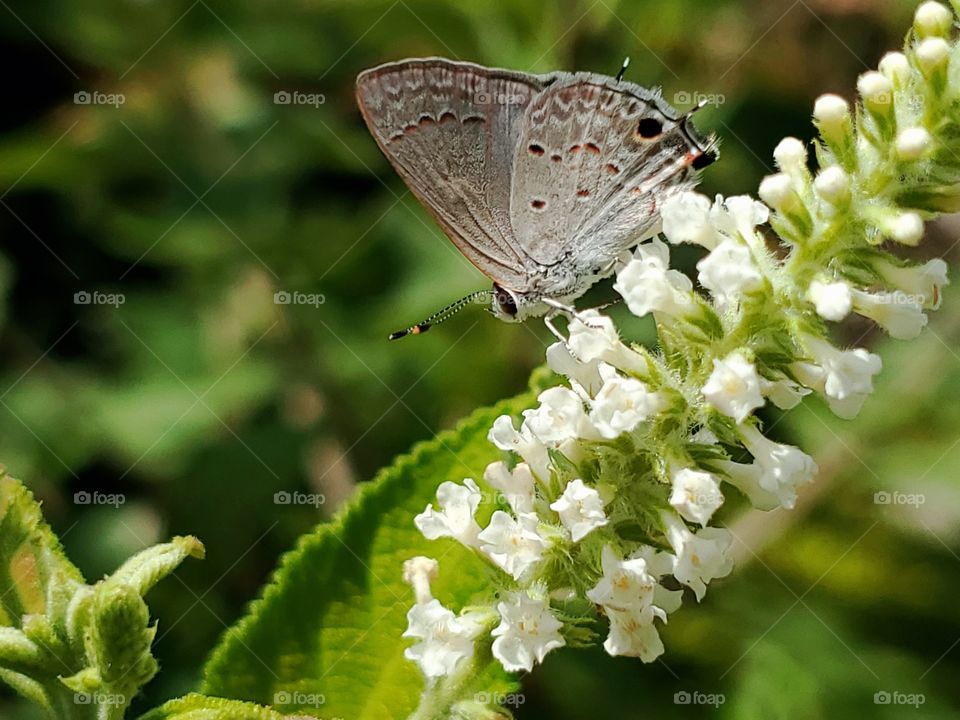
[505, 301]
[649, 128]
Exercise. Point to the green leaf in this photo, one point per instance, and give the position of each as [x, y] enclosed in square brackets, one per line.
[325, 638]
[198, 707]
[33, 566]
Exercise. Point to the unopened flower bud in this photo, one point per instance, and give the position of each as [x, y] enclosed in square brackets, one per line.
[932, 18]
[906, 228]
[833, 185]
[931, 54]
[777, 192]
[895, 67]
[791, 155]
[912, 143]
[876, 91]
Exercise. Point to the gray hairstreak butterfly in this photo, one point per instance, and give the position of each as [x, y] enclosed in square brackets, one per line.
[541, 181]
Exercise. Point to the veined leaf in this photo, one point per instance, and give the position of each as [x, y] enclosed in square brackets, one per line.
[198, 707]
[325, 638]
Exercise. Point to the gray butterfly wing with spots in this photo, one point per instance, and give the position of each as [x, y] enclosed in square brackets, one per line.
[450, 130]
[540, 180]
[595, 158]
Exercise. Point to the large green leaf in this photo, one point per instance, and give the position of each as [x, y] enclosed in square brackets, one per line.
[198, 707]
[325, 639]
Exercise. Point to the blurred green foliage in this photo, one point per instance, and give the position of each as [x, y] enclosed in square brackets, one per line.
[199, 397]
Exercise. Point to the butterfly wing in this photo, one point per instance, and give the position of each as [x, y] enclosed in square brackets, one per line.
[594, 158]
[450, 130]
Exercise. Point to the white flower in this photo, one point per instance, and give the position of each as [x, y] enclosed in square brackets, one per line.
[686, 219]
[506, 437]
[784, 466]
[458, 503]
[932, 18]
[622, 404]
[583, 373]
[526, 633]
[733, 387]
[696, 495]
[647, 283]
[739, 215]
[898, 313]
[783, 393]
[625, 585]
[418, 572]
[845, 377]
[513, 544]
[791, 156]
[912, 143]
[833, 185]
[746, 478]
[445, 639]
[832, 300]
[932, 53]
[729, 272]
[517, 485]
[921, 281]
[580, 509]
[594, 337]
[633, 634]
[559, 417]
[699, 558]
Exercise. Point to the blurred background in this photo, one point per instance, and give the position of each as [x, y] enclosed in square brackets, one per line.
[167, 168]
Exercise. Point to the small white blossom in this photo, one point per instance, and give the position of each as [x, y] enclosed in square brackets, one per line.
[583, 373]
[845, 377]
[698, 558]
[625, 585]
[445, 639]
[912, 143]
[526, 633]
[738, 216]
[417, 573]
[784, 467]
[729, 272]
[696, 495]
[746, 478]
[517, 485]
[633, 634]
[895, 67]
[647, 283]
[784, 393]
[921, 281]
[791, 156]
[899, 314]
[513, 544]
[932, 53]
[506, 437]
[832, 300]
[458, 503]
[687, 219]
[833, 185]
[580, 509]
[733, 387]
[932, 18]
[559, 417]
[622, 404]
[593, 337]
[777, 192]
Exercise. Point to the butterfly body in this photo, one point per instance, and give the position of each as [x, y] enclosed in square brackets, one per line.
[541, 181]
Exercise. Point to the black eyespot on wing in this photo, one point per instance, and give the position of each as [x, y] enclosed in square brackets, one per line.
[649, 128]
[703, 160]
[505, 301]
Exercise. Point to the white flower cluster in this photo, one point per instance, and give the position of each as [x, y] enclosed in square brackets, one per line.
[612, 480]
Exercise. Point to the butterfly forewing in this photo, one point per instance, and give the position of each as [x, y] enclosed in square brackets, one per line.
[451, 130]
